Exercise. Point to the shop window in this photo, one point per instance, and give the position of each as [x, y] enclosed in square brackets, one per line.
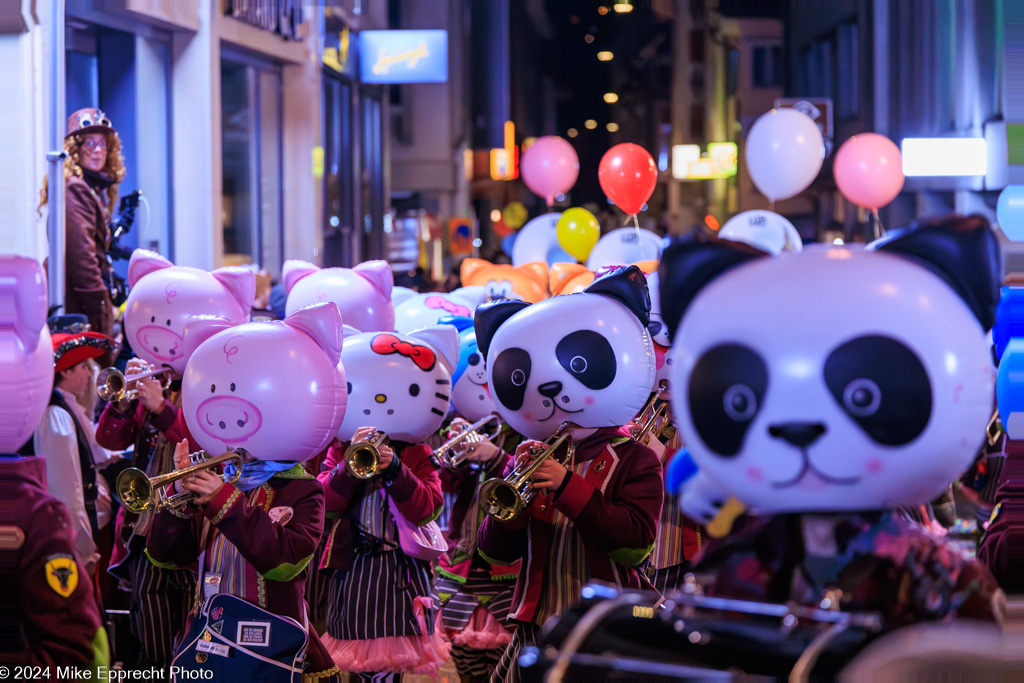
[341, 240]
[251, 162]
[767, 67]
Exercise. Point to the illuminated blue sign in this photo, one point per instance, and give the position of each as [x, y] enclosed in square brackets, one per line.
[403, 56]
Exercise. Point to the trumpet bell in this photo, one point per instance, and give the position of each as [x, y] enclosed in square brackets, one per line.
[362, 460]
[135, 490]
[502, 500]
[110, 384]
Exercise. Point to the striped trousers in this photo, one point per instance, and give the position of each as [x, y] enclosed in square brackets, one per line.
[160, 603]
[507, 670]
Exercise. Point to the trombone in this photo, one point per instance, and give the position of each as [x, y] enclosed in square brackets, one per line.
[362, 459]
[504, 499]
[654, 418]
[112, 385]
[452, 454]
[139, 493]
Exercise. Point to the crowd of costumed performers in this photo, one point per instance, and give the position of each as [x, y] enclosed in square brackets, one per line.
[720, 459]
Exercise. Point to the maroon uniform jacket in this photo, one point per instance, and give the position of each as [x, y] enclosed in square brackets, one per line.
[416, 492]
[49, 617]
[276, 554]
[615, 507]
[118, 430]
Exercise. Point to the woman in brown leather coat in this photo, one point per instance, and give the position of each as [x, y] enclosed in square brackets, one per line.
[93, 168]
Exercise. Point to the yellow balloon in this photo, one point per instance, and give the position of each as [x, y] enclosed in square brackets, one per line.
[578, 231]
[515, 215]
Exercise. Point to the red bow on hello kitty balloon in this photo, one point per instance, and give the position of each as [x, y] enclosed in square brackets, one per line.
[422, 356]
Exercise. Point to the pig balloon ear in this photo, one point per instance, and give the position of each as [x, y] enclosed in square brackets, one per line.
[199, 328]
[23, 298]
[241, 282]
[293, 271]
[322, 322]
[444, 339]
[379, 274]
[143, 262]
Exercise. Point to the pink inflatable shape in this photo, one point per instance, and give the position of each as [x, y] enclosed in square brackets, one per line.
[164, 296]
[276, 389]
[26, 355]
[363, 293]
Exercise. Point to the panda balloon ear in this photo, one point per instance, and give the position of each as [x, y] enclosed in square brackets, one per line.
[688, 265]
[490, 316]
[962, 251]
[629, 286]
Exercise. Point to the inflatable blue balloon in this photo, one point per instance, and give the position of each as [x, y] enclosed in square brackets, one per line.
[1009, 318]
[1010, 389]
[1010, 212]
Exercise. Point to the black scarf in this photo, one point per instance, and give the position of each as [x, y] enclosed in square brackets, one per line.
[97, 180]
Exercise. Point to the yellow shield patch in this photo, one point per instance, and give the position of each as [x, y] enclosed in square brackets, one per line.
[62, 574]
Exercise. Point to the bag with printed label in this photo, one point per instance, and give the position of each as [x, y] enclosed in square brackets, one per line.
[422, 542]
[238, 641]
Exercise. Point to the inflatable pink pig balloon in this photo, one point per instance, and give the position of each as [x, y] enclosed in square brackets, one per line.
[276, 389]
[164, 296]
[26, 355]
[363, 293]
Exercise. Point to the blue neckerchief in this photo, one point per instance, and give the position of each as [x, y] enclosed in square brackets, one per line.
[256, 472]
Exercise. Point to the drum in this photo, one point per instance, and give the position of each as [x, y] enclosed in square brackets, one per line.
[616, 634]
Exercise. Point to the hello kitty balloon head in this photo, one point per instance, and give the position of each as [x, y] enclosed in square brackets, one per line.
[26, 354]
[164, 296]
[275, 389]
[399, 383]
[362, 294]
[834, 379]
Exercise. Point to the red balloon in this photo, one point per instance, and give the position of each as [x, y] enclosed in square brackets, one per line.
[628, 175]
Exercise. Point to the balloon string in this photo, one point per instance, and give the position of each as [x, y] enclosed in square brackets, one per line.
[876, 223]
[639, 241]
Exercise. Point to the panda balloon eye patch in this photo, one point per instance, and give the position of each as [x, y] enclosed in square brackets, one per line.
[882, 386]
[588, 357]
[726, 388]
[511, 372]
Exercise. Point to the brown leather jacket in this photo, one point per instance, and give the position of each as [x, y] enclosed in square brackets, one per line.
[86, 264]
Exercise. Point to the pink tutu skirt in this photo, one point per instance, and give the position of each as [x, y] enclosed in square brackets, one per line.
[422, 654]
[483, 632]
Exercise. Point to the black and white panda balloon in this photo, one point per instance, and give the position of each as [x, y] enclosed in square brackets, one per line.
[841, 378]
[585, 357]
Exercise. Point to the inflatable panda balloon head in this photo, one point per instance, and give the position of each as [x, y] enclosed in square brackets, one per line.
[836, 379]
[584, 358]
[664, 358]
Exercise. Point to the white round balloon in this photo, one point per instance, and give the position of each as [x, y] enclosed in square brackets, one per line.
[623, 246]
[538, 241]
[766, 230]
[784, 153]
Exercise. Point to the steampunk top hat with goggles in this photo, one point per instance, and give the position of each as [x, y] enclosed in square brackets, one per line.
[89, 120]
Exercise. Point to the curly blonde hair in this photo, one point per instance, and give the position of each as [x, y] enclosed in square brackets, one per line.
[113, 168]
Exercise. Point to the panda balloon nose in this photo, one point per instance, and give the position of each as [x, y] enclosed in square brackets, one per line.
[800, 434]
[550, 389]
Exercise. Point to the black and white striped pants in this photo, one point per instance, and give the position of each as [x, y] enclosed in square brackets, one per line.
[160, 603]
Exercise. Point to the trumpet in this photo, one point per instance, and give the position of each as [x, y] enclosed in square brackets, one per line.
[362, 459]
[112, 385]
[504, 499]
[654, 418]
[452, 454]
[139, 493]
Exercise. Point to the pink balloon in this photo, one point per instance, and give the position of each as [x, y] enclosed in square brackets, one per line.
[549, 167]
[363, 293]
[276, 389]
[26, 354]
[164, 296]
[869, 170]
